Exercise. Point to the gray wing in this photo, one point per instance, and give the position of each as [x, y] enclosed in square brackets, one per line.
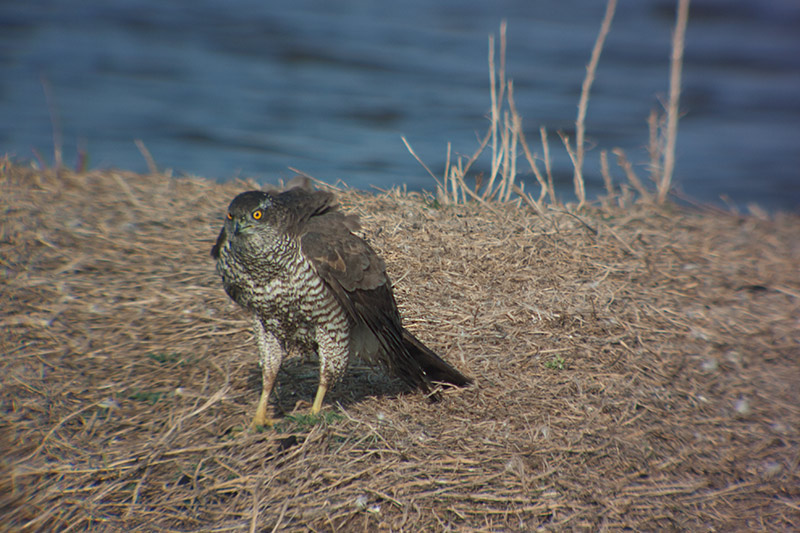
[357, 277]
[350, 267]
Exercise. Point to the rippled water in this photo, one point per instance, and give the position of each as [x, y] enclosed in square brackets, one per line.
[250, 87]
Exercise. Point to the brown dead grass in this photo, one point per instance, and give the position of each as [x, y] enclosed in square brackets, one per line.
[644, 376]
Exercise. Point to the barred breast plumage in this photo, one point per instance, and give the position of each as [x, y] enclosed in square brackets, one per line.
[309, 283]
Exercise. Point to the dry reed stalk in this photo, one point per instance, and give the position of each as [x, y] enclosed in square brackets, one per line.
[655, 147]
[605, 171]
[440, 186]
[503, 134]
[148, 157]
[547, 166]
[497, 85]
[55, 122]
[625, 165]
[676, 65]
[447, 176]
[527, 151]
[583, 103]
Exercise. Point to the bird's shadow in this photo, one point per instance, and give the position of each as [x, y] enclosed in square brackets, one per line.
[298, 379]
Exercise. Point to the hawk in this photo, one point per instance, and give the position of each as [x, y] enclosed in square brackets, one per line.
[292, 261]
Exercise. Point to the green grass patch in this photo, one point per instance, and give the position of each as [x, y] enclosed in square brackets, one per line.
[556, 363]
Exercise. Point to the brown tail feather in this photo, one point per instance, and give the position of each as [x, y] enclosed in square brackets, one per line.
[435, 368]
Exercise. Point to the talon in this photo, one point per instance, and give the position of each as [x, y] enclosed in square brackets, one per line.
[262, 423]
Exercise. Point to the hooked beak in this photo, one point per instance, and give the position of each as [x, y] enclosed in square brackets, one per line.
[240, 227]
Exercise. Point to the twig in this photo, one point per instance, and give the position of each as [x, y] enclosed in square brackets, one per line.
[623, 162]
[528, 200]
[254, 512]
[447, 171]
[521, 136]
[547, 166]
[413, 153]
[280, 517]
[678, 39]
[591, 68]
[578, 180]
[319, 183]
[516, 127]
[654, 148]
[54, 121]
[495, 110]
[127, 190]
[474, 196]
[579, 219]
[627, 246]
[55, 428]
[477, 153]
[606, 173]
[151, 163]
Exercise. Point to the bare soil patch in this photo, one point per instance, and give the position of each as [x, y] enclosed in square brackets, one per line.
[634, 369]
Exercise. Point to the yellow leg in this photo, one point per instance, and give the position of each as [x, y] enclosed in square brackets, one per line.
[262, 417]
[317, 405]
[271, 354]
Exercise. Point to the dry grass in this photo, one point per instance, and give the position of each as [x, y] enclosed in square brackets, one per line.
[505, 139]
[634, 369]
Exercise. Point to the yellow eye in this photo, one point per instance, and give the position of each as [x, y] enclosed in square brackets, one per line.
[230, 217]
[257, 214]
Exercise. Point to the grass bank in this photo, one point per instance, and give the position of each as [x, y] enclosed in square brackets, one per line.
[635, 368]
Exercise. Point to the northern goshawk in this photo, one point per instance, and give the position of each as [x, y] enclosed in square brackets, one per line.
[292, 261]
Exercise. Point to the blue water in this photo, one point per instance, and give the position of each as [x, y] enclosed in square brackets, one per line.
[248, 88]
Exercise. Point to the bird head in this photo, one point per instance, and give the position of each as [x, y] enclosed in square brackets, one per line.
[252, 220]
[247, 211]
[259, 222]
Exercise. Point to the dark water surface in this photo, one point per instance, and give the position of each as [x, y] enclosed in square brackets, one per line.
[251, 87]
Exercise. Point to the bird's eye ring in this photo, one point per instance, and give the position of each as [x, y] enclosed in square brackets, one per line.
[257, 214]
[230, 217]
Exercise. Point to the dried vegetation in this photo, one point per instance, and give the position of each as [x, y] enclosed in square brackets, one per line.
[635, 368]
[636, 364]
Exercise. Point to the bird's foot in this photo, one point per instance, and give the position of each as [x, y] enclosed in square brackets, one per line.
[262, 418]
[262, 422]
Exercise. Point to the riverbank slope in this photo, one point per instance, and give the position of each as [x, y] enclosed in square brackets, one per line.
[633, 368]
